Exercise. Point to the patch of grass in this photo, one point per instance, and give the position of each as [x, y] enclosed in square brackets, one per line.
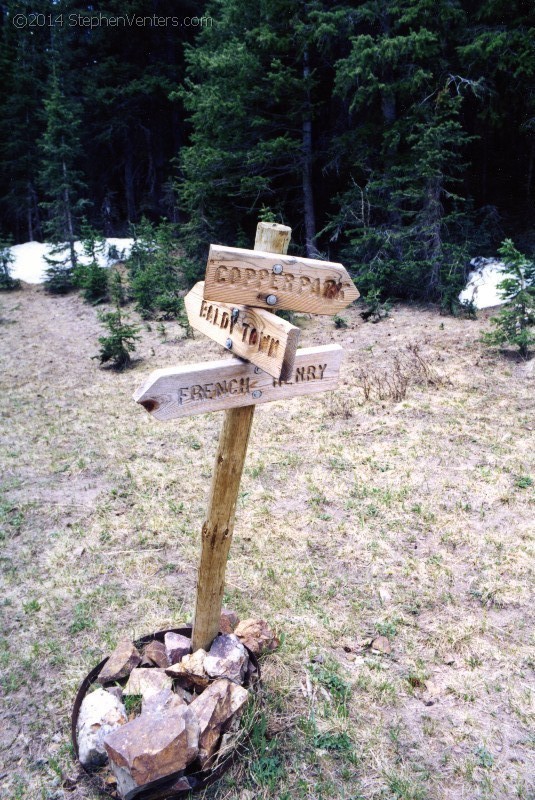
[485, 757]
[132, 703]
[338, 690]
[82, 619]
[32, 606]
[266, 768]
[523, 481]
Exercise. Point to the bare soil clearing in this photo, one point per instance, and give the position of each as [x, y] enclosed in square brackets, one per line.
[411, 520]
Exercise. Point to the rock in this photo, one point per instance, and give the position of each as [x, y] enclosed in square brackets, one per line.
[166, 700]
[147, 682]
[257, 636]
[116, 691]
[190, 672]
[449, 659]
[228, 620]
[227, 658]
[100, 714]
[152, 747]
[156, 652]
[381, 644]
[120, 664]
[216, 708]
[176, 646]
[183, 784]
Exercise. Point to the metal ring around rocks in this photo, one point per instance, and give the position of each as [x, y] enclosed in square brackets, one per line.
[161, 792]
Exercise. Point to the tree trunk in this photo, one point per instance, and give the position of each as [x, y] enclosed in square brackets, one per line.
[432, 223]
[308, 191]
[68, 215]
[129, 181]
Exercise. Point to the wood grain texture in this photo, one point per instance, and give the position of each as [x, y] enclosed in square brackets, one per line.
[272, 237]
[305, 284]
[256, 335]
[219, 525]
[218, 385]
[228, 467]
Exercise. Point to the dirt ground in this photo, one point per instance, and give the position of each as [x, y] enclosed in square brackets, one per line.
[411, 518]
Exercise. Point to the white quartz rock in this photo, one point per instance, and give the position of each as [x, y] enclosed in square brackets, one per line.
[100, 714]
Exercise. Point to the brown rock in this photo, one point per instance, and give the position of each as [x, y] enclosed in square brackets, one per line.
[227, 658]
[257, 636]
[163, 701]
[183, 784]
[152, 747]
[116, 691]
[190, 672]
[155, 651]
[381, 644]
[176, 646]
[120, 664]
[147, 682]
[228, 620]
[216, 708]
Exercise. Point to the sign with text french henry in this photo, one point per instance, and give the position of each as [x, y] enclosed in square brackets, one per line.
[218, 385]
[252, 333]
[268, 280]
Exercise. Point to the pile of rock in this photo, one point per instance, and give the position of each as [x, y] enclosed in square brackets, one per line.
[183, 713]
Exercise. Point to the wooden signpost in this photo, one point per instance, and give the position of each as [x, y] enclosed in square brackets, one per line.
[277, 371]
[251, 333]
[218, 385]
[277, 282]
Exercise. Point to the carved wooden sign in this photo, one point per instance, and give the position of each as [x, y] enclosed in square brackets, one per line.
[268, 280]
[252, 333]
[217, 385]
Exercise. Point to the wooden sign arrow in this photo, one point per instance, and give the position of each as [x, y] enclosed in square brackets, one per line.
[217, 385]
[252, 333]
[266, 280]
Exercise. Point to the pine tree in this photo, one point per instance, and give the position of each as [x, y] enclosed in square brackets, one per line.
[59, 174]
[91, 277]
[154, 266]
[7, 282]
[401, 213]
[23, 69]
[515, 324]
[117, 346]
[258, 92]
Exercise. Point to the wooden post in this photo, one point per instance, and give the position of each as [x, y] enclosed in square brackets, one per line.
[218, 527]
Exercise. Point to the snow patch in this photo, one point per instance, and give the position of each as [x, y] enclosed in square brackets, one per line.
[482, 286]
[29, 263]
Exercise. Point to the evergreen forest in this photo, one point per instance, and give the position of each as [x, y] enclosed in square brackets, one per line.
[397, 136]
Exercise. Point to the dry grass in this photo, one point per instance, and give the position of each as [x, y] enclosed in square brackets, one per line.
[413, 519]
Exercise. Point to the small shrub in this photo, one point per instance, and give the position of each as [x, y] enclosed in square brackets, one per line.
[7, 283]
[339, 322]
[514, 324]
[92, 280]
[117, 346]
[116, 288]
[59, 277]
[377, 309]
[392, 381]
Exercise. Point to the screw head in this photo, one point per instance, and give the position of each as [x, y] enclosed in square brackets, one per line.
[257, 370]
[228, 344]
[271, 299]
[278, 269]
[256, 394]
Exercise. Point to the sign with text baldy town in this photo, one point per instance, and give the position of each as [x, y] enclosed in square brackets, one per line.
[230, 308]
[250, 333]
